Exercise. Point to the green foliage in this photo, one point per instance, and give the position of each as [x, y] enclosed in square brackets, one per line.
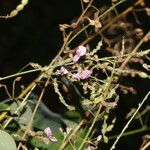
[6, 141]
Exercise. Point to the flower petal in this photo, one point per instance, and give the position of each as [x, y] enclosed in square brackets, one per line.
[81, 51]
[48, 131]
[76, 58]
[86, 74]
[53, 139]
[76, 76]
[63, 71]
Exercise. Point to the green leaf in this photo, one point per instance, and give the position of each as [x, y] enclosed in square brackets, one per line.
[25, 116]
[35, 142]
[41, 122]
[6, 141]
[3, 107]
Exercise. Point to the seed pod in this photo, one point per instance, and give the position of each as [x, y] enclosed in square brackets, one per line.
[20, 7]
[13, 13]
[24, 2]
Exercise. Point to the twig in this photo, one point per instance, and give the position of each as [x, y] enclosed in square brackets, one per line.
[85, 27]
[110, 23]
[126, 126]
[34, 112]
[71, 136]
[134, 50]
[130, 132]
[146, 146]
[18, 74]
[84, 11]
[98, 112]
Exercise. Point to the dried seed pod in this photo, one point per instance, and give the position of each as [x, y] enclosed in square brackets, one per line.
[20, 7]
[13, 13]
[24, 2]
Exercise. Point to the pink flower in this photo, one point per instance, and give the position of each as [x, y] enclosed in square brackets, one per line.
[81, 51]
[63, 71]
[48, 132]
[76, 76]
[85, 74]
[76, 58]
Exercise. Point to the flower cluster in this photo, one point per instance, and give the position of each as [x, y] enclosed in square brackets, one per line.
[81, 51]
[83, 75]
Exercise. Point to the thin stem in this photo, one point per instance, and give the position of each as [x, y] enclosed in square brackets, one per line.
[32, 86]
[130, 132]
[134, 50]
[20, 73]
[28, 90]
[98, 111]
[61, 50]
[84, 11]
[71, 136]
[85, 27]
[21, 105]
[90, 129]
[145, 146]
[110, 23]
[34, 112]
[126, 126]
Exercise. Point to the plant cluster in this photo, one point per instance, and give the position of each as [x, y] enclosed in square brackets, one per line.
[86, 77]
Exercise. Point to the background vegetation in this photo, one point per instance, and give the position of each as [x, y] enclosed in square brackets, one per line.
[77, 68]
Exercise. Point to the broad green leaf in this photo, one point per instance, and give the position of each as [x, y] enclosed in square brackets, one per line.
[6, 141]
[25, 116]
[35, 142]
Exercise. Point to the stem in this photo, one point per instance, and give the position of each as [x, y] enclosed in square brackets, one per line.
[85, 27]
[126, 126]
[146, 146]
[98, 112]
[20, 73]
[34, 112]
[32, 86]
[84, 11]
[71, 136]
[90, 129]
[131, 132]
[134, 50]
[110, 23]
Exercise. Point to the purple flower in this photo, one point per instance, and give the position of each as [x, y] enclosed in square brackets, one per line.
[48, 132]
[76, 76]
[85, 74]
[81, 51]
[63, 71]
